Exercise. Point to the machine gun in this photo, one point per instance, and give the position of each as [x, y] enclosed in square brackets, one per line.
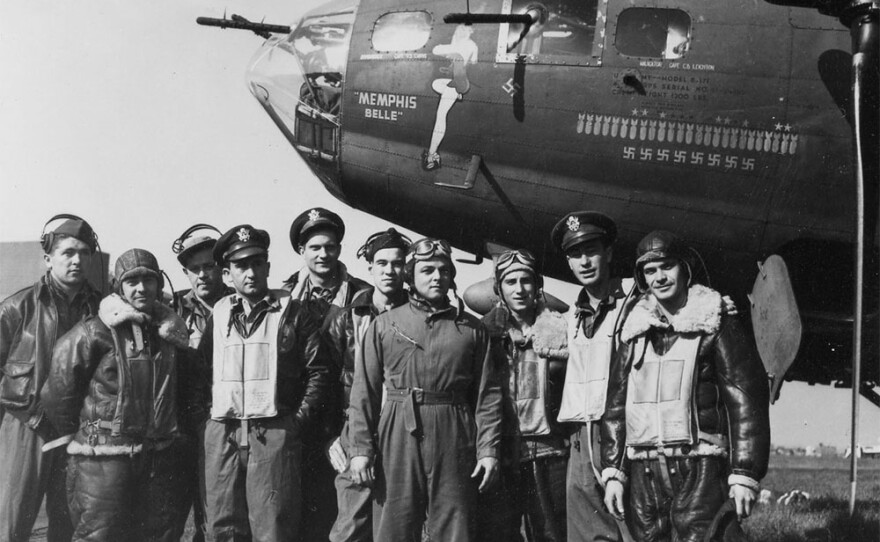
[238, 22]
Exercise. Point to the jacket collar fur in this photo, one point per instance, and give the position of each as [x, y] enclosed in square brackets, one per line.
[547, 335]
[115, 311]
[701, 314]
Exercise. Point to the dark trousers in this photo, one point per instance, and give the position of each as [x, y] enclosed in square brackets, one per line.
[124, 497]
[26, 474]
[191, 476]
[678, 504]
[319, 495]
[530, 498]
[253, 493]
[587, 518]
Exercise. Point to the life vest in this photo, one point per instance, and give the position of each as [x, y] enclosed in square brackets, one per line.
[659, 409]
[528, 388]
[589, 362]
[245, 369]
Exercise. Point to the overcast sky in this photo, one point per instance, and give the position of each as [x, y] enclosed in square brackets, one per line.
[132, 116]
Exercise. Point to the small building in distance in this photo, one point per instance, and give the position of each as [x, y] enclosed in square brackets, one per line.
[21, 265]
[864, 452]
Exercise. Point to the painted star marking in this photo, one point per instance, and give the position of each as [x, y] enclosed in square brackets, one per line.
[635, 112]
[718, 119]
[778, 126]
[745, 124]
[663, 114]
[644, 112]
[788, 127]
[727, 120]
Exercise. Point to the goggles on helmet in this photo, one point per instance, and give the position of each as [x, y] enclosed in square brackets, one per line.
[511, 257]
[427, 248]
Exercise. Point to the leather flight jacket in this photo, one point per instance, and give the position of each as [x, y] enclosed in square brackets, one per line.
[533, 366]
[729, 394]
[28, 332]
[114, 380]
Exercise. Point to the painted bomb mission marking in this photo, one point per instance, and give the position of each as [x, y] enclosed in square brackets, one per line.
[722, 144]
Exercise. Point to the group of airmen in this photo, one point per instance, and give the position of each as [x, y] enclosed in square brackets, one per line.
[351, 411]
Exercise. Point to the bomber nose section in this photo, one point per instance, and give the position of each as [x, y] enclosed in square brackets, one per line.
[298, 80]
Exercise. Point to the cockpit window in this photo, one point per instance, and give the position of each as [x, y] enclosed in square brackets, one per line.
[401, 31]
[321, 42]
[653, 33]
[570, 33]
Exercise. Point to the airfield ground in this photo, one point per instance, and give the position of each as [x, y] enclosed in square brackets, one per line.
[822, 518]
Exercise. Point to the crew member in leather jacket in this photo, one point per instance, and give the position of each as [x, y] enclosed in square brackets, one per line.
[529, 345]
[30, 323]
[115, 392]
[686, 423]
[324, 281]
[268, 373]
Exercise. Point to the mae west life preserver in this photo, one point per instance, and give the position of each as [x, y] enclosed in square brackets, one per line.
[589, 362]
[245, 369]
[659, 410]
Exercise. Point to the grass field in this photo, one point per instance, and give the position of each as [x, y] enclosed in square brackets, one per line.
[825, 516]
[822, 518]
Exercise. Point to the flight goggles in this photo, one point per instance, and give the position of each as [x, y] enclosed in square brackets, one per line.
[511, 257]
[427, 248]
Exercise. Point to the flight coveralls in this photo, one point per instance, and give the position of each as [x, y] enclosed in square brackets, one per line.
[114, 389]
[687, 416]
[31, 321]
[319, 497]
[346, 328]
[269, 378]
[590, 345]
[533, 482]
[442, 414]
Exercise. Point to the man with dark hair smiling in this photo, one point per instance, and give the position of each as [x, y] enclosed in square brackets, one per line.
[268, 375]
[687, 422]
[384, 252]
[441, 423]
[114, 389]
[31, 320]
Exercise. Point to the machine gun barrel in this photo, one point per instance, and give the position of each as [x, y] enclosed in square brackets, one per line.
[238, 22]
[487, 18]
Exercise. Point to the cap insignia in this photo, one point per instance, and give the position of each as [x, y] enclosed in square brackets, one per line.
[314, 215]
[573, 223]
[243, 235]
